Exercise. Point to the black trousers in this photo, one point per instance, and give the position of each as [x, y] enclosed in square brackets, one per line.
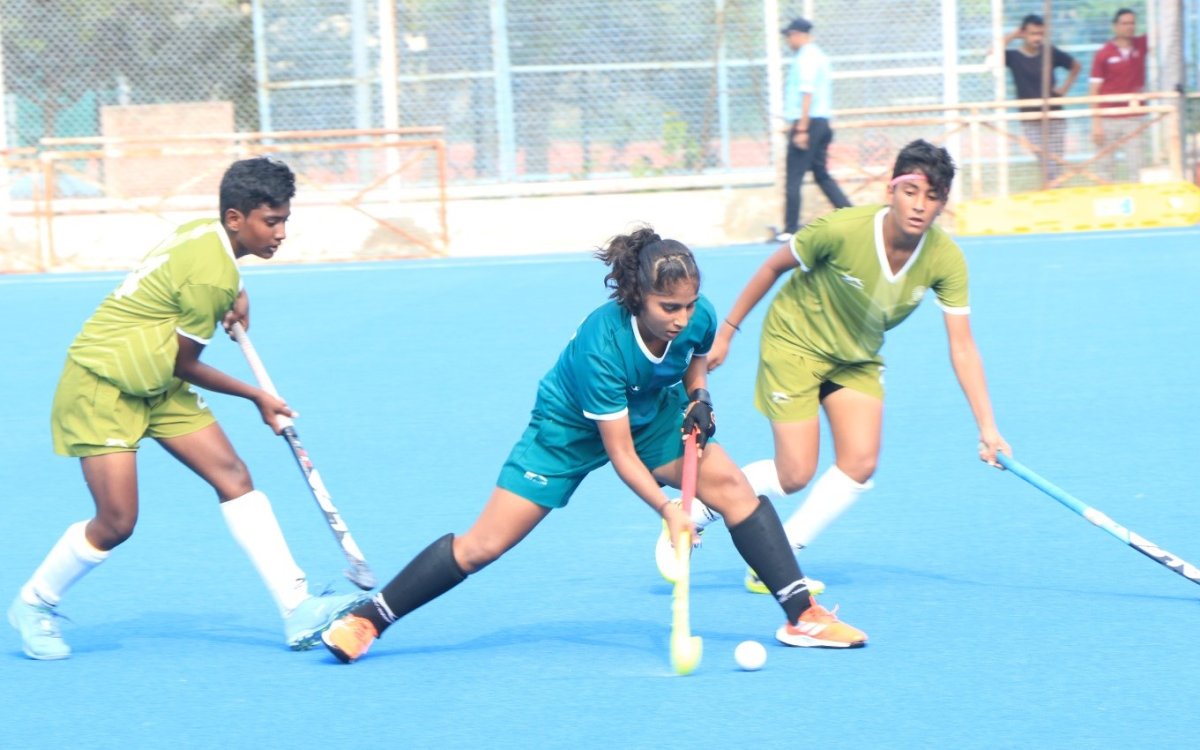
[800, 161]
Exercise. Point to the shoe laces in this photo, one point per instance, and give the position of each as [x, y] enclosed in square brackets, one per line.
[48, 618]
[817, 613]
[362, 629]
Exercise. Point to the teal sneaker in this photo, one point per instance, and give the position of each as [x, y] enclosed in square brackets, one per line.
[303, 625]
[38, 625]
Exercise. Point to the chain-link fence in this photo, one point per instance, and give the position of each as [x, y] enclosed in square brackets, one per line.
[534, 94]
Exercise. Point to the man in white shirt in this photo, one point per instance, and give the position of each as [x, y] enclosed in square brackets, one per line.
[807, 106]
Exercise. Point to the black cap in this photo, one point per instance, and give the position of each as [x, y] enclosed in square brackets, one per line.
[798, 24]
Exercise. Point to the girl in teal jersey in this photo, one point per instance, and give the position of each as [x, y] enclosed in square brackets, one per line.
[855, 274]
[625, 389]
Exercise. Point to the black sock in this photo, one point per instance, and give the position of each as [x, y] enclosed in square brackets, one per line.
[430, 574]
[763, 544]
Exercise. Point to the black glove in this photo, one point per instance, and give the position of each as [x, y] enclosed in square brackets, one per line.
[699, 416]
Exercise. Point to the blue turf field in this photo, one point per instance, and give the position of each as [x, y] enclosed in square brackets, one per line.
[998, 619]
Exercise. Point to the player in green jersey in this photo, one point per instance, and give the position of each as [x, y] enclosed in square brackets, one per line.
[132, 372]
[629, 383]
[855, 273]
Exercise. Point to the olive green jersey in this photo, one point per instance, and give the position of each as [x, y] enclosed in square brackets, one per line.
[184, 286]
[844, 295]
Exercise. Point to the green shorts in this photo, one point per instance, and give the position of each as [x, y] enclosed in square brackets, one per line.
[91, 416]
[789, 384]
[551, 459]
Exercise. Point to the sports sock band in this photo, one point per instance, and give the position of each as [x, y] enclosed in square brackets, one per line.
[254, 527]
[764, 478]
[830, 497]
[433, 572]
[70, 559]
[763, 545]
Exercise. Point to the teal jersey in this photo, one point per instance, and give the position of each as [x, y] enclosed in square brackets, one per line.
[182, 288]
[844, 296]
[606, 372]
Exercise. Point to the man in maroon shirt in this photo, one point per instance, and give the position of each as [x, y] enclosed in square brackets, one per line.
[1119, 67]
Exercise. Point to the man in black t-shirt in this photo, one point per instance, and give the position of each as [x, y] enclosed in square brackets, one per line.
[1025, 62]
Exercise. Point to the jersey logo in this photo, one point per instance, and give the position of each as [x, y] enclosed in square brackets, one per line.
[115, 443]
[537, 479]
[918, 293]
[853, 281]
[200, 403]
[634, 389]
[780, 397]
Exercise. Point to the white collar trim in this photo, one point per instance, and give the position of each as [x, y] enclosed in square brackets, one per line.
[881, 249]
[637, 335]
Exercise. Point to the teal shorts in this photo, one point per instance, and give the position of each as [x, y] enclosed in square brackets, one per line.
[551, 458]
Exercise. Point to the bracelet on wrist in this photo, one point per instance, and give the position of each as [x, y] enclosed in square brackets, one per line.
[733, 325]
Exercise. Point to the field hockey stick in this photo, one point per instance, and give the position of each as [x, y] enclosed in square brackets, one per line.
[686, 649]
[1139, 543]
[359, 573]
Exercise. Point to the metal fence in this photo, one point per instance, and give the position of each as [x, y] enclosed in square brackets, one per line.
[546, 95]
[527, 90]
[542, 90]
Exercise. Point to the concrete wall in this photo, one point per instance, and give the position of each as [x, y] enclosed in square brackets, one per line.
[478, 227]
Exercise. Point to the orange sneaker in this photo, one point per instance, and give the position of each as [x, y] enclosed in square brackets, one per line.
[820, 627]
[349, 637]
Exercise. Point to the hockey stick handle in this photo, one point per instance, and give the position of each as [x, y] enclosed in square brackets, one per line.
[359, 573]
[1097, 518]
[687, 484]
[686, 649]
[1064, 497]
[259, 369]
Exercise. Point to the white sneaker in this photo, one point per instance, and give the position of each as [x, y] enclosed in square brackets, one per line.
[302, 626]
[38, 625]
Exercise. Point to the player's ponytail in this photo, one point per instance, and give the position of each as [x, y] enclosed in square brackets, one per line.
[642, 262]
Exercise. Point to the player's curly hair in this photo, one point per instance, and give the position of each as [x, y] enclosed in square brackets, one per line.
[932, 161]
[250, 183]
[642, 262]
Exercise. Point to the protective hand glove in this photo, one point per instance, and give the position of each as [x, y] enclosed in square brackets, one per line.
[699, 416]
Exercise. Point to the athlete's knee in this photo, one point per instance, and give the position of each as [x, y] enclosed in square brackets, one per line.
[728, 493]
[794, 478]
[111, 527]
[860, 468]
[231, 478]
[474, 552]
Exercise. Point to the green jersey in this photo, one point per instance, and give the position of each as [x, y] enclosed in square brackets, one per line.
[844, 295]
[606, 372]
[184, 286]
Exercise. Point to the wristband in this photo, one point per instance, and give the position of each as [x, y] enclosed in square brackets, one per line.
[733, 325]
[701, 395]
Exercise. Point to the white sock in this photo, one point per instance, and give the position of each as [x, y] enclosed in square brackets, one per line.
[829, 498]
[764, 478]
[253, 525]
[70, 559]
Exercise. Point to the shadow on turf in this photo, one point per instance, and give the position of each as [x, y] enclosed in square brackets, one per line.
[214, 627]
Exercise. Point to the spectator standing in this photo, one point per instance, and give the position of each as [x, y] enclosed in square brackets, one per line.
[1119, 67]
[807, 107]
[1026, 64]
